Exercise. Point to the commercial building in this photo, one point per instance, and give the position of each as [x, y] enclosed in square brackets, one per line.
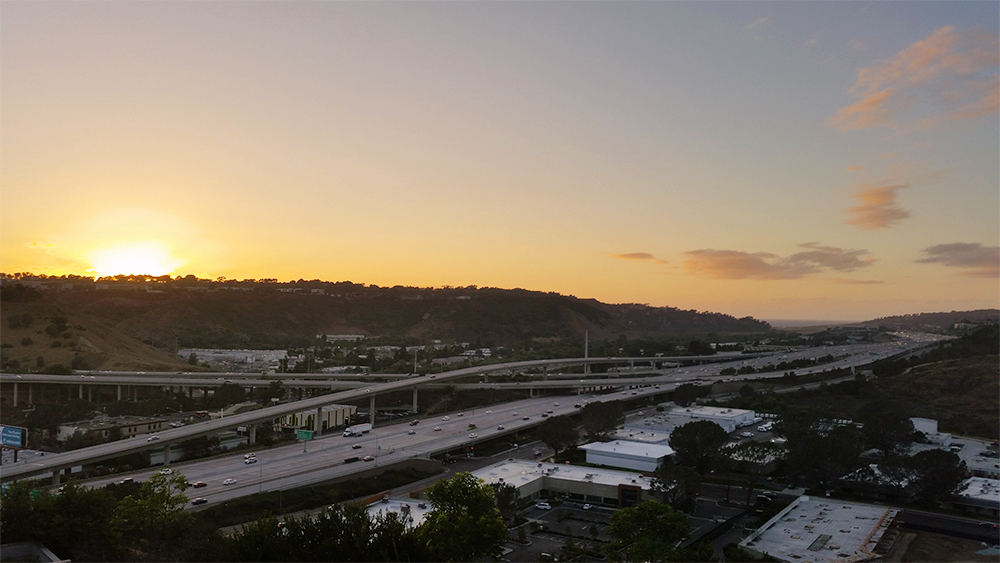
[978, 495]
[819, 530]
[583, 484]
[126, 426]
[627, 454]
[330, 416]
[662, 424]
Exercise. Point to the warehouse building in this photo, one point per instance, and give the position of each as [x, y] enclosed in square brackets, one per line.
[584, 484]
[627, 454]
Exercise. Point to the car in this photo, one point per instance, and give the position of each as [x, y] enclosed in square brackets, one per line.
[587, 507]
[445, 418]
[126, 481]
[152, 438]
[500, 427]
[746, 434]
[368, 458]
[989, 525]
[248, 456]
[526, 418]
[544, 415]
[412, 432]
[473, 435]
[514, 413]
[489, 412]
[356, 447]
[577, 405]
[250, 460]
[461, 414]
[549, 411]
[554, 405]
[229, 482]
[414, 423]
[199, 484]
[198, 501]
[166, 471]
[437, 428]
[543, 506]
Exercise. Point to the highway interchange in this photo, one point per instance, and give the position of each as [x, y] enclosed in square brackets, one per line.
[296, 465]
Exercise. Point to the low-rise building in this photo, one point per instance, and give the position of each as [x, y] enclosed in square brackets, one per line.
[126, 426]
[823, 530]
[331, 416]
[978, 495]
[584, 484]
[640, 456]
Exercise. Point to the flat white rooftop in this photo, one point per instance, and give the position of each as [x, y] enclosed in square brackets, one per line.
[520, 472]
[815, 530]
[980, 488]
[630, 448]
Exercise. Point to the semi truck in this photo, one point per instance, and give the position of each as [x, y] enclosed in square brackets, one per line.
[357, 429]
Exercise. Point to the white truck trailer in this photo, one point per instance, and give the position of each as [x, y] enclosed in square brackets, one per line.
[357, 429]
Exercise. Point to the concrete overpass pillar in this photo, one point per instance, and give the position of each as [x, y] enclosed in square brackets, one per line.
[253, 434]
[414, 397]
[80, 392]
[317, 425]
[15, 395]
[30, 401]
[90, 393]
[190, 392]
[545, 373]
[166, 455]
[371, 411]
[56, 475]
[531, 392]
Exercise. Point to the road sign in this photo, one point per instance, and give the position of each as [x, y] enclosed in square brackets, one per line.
[13, 437]
[303, 434]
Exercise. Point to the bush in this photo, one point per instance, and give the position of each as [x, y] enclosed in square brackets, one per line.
[27, 341]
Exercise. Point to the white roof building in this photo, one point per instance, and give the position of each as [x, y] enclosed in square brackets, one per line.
[584, 484]
[626, 454]
[822, 530]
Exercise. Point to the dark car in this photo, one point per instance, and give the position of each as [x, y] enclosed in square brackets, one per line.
[199, 501]
[200, 484]
[369, 458]
[356, 447]
[414, 423]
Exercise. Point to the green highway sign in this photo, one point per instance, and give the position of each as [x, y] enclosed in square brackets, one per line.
[303, 434]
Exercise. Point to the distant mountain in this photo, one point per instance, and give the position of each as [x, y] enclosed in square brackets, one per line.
[937, 322]
[160, 316]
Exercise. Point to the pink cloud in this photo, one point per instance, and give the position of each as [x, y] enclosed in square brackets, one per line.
[954, 74]
[878, 207]
[977, 260]
[640, 256]
[735, 264]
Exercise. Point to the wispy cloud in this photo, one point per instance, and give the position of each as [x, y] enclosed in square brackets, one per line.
[758, 22]
[977, 260]
[644, 256]
[735, 264]
[878, 208]
[949, 76]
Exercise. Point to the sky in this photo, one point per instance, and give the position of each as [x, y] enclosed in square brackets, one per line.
[782, 160]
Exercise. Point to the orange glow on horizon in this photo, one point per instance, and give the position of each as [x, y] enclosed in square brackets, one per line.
[138, 258]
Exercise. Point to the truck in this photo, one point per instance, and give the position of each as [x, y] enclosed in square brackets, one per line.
[357, 429]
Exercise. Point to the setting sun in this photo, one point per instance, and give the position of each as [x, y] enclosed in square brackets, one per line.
[147, 257]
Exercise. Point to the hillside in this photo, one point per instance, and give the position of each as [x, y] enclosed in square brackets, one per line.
[140, 325]
[935, 322]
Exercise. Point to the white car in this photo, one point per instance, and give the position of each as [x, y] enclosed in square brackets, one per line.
[587, 507]
[229, 482]
[489, 412]
[445, 418]
[543, 506]
[473, 435]
[152, 438]
[250, 460]
[437, 428]
[166, 471]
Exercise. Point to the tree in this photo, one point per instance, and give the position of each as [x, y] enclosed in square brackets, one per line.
[753, 457]
[697, 443]
[558, 432]
[155, 520]
[600, 419]
[506, 495]
[940, 473]
[464, 524]
[687, 393]
[886, 429]
[647, 532]
[675, 482]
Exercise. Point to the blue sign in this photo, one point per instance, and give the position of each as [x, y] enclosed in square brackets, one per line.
[13, 436]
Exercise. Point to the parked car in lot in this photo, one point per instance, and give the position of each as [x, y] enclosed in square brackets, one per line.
[746, 434]
[543, 506]
[587, 506]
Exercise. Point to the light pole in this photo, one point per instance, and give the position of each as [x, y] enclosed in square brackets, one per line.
[376, 448]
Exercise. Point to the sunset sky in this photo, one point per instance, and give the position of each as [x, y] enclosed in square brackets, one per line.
[785, 160]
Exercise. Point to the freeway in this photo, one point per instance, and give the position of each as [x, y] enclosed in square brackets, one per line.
[852, 356]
